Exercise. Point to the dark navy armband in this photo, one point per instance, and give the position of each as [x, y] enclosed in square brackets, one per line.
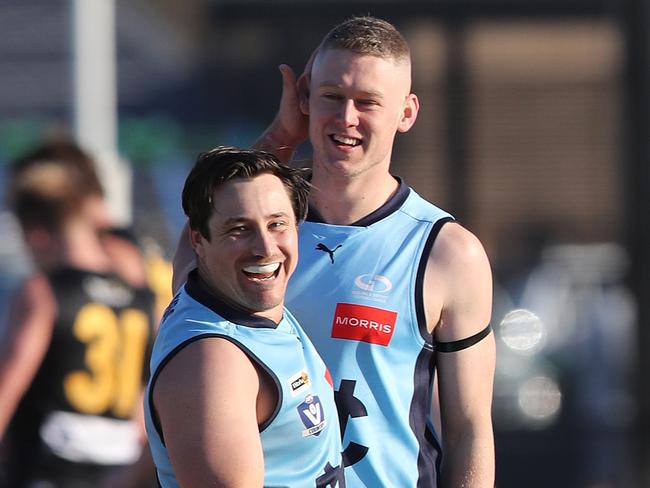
[455, 346]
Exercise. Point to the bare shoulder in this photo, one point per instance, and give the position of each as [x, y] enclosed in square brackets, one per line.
[456, 246]
[34, 297]
[27, 331]
[458, 281]
[34, 284]
[204, 362]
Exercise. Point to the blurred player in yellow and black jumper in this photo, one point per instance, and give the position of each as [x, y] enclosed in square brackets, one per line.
[73, 361]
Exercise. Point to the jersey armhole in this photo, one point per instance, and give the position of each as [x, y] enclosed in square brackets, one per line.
[419, 280]
[244, 349]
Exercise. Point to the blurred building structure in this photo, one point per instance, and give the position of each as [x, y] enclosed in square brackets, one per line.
[533, 131]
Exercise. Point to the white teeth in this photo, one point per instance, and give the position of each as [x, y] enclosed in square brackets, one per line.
[262, 268]
[346, 140]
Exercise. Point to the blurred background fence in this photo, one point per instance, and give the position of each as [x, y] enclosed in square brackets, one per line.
[533, 131]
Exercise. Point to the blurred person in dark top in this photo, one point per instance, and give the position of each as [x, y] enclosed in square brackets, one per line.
[119, 242]
[138, 265]
[78, 335]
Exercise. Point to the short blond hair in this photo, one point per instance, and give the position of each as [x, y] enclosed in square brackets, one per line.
[370, 36]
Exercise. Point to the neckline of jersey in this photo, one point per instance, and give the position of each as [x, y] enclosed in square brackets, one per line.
[391, 206]
[199, 291]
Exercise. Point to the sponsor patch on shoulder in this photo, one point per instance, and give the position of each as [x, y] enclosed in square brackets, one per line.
[312, 416]
[363, 323]
[299, 382]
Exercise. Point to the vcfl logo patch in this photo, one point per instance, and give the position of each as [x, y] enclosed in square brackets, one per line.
[312, 415]
[363, 323]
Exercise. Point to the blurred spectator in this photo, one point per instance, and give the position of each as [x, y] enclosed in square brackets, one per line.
[67, 154]
[78, 334]
[138, 265]
[564, 376]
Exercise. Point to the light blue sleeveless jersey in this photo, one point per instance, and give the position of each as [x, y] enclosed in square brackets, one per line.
[301, 441]
[358, 293]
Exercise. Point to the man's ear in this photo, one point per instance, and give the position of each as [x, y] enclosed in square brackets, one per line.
[409, 113]
[303, 93]
[196, 241]
[304, 81]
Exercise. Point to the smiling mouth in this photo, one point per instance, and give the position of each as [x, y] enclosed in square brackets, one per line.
[345, 141]
[262, 272]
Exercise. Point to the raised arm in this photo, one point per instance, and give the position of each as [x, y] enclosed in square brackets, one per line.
[290, 127]
[287, 131]
[184, 259]
[459, 277]
[27, 335]
[206, 399]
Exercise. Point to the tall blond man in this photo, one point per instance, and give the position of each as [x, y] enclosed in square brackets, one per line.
[390, 288]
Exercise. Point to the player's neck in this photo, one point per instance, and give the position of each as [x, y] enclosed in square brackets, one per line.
[84, 250]
[345, 201]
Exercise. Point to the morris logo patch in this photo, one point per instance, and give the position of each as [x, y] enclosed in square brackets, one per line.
[363, 323]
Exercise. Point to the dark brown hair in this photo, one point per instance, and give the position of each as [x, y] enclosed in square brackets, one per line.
[223, 164]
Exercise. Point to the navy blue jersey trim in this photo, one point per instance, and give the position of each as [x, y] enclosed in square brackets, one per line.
[459, 345]
[392, 205]
[419, 280]
[248, 352]
[199, 291]
[429, 452]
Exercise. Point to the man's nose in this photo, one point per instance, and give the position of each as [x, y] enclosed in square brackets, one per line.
[263, 243]
[348, 113]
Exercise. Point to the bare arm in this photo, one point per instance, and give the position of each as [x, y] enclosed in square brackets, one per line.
[459, 285]
[206, 398]
[184, 259]
[287, 131]
[290, 127]
[27, 336]
[140, 473]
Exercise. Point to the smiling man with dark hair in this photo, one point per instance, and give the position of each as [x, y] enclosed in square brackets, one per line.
[238, 395]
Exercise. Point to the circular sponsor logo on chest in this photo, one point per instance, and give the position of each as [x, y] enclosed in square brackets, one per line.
[374, 283]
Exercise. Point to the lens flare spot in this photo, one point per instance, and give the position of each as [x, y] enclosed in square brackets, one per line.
[522, 331]
[540, 401]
